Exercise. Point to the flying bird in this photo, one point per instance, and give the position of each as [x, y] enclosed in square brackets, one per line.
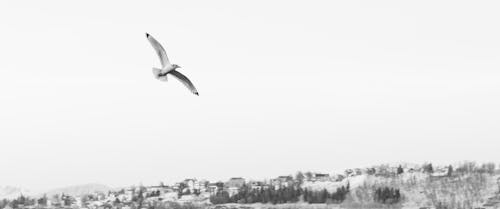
[167, 68]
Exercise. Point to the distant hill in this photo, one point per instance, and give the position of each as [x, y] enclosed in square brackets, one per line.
[77, 190]
[10, 192]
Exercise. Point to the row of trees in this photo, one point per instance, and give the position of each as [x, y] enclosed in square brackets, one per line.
[57, 200]
[21, 200]
[63, 200]
[4, 203]
[156, 193]
[325, 196]
[265, 195]
[463, 168]
[387, 195]
[429, 169]
[290, 194]
[472, 167]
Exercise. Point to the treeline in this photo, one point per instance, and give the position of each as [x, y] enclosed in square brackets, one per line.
[473, 167]
[21, 201]
[387, 195]
[325, 196]
[290, 194]
[4, 203]
[15, 203]
[464, 168]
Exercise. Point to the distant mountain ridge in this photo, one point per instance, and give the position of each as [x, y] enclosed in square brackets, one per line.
[10, 192]
[78, 190]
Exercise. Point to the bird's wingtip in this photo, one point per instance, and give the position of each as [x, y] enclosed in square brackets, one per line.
[196, 93]
[147, 35]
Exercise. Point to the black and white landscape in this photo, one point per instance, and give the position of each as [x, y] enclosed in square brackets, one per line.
[405, 185]
[285, 86]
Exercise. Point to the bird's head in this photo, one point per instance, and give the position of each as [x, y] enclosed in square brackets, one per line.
[176, 66]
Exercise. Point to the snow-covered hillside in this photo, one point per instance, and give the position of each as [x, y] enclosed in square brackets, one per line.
[331, 186]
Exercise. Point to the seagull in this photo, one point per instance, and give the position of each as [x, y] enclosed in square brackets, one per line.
[167, 68]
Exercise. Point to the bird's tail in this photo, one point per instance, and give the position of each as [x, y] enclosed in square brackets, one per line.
[158, 74]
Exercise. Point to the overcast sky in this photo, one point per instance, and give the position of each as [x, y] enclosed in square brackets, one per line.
[284, 86]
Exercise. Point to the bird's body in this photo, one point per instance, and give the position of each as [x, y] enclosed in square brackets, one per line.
[167, 67]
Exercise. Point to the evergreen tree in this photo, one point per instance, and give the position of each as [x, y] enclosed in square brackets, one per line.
[221, 197]
[306, 195]
[324, 196]
[428, 168]
[450, 170]
[309, 175]
[400, 170]
[299, 178]
[378, 195]
[43, 200]
[140, 197]
[387, 195]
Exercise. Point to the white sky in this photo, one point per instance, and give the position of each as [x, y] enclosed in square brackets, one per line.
[284, 86]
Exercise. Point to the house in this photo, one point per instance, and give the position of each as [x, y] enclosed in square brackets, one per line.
[370, 171]
[186, 185]
[353, 172]
[282, 181]
[385, 171]
[177, 186]
[194, 185]
[202, 185]
[321, 177]
[338, 177]
[127, 195]
[257, 185]
[235, 182]
[191, 184]
[358, 171]
[439, 173]
[348, 172]
[213, 188]
[153, 188]
[233, 185]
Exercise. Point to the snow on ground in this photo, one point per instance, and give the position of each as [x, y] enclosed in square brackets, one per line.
[277, 206]
[171, 196]
[193, 198]
[331, 186]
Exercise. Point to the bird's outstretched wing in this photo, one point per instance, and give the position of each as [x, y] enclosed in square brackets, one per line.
[159, 50]
[184, 81]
